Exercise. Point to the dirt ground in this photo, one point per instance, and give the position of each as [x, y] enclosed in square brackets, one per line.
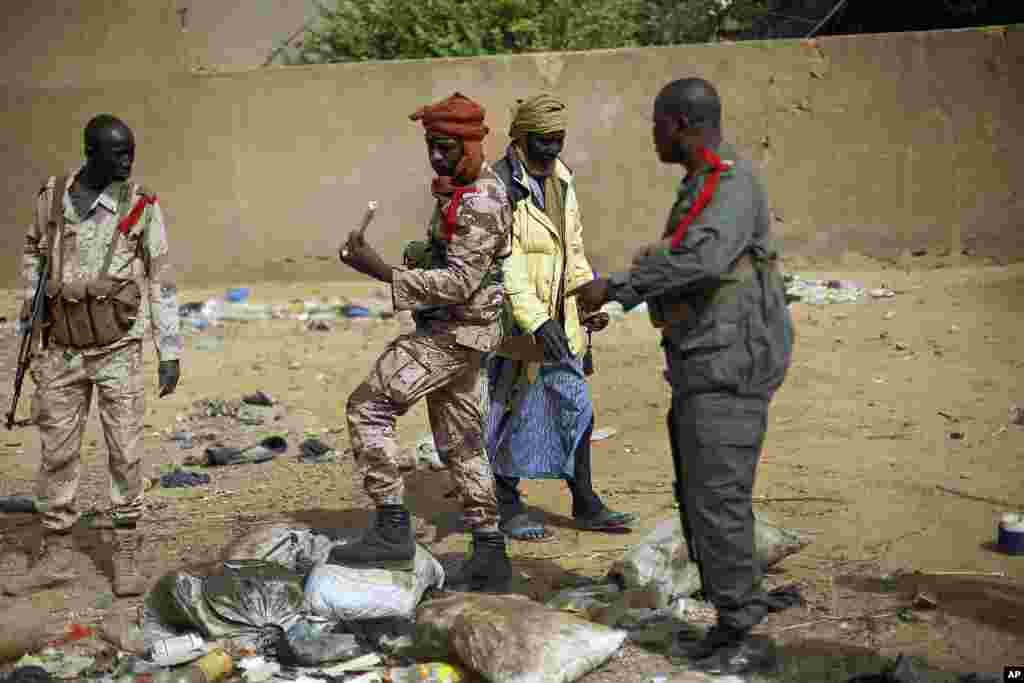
[887, 401]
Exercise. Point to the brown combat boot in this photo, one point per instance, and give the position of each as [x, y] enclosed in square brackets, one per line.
[127, 579]
[53, 566]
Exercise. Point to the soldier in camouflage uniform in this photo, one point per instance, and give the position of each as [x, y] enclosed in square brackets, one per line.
[452, 284]
[713, 288]
[96, 200]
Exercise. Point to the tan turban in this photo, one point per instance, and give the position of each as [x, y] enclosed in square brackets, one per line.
[540, 114]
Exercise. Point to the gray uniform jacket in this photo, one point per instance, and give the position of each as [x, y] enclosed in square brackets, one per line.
[740, 343]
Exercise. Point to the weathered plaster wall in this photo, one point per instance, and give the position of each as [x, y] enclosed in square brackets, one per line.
[870, 144]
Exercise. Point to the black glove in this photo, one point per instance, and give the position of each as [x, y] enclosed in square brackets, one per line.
[168, 373]
[556, 344]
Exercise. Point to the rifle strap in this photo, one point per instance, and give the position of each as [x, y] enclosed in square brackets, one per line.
[54, 228]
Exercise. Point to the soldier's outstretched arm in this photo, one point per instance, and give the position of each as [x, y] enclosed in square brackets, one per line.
[478, 235]
[712, 243]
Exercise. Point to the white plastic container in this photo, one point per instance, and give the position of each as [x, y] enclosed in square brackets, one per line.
[178, 650]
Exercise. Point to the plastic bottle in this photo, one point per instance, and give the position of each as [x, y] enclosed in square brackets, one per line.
[177, 650]
[431, 672]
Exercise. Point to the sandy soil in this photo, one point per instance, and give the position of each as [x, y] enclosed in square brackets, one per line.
[865, 419]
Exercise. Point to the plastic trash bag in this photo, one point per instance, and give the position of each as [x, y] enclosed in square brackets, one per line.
[512, 639]
[251, 602]
[352, 594]
[299, 549]
[661, 562]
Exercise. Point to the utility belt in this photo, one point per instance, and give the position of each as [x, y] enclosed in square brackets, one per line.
[666, 310]
[95, 312]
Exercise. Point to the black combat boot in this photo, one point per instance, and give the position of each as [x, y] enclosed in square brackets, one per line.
[488, 569]
[388, 544]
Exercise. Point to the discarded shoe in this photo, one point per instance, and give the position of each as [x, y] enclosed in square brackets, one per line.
[265, 450]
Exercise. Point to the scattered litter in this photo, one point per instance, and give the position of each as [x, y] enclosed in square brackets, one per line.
[258, 669]
[364, 663]
[208, 344]
[318, 326]
[251, 414]
[267, 449]
[237, 294]
[479, 631]
[17, 504]
[259, 399]
[353, 311]
[251, 602]
[185, 439]
[429, 672]
[352, 594]
[882, 293]
[28, 674]
[314, 451]
[660, 562]
[180, 478]
[820, 292]
[604, 433]
[311, 644]
[1011, 533]
[58, 664]
[174, 651]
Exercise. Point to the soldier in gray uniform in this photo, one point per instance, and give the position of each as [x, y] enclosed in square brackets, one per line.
[712, 287]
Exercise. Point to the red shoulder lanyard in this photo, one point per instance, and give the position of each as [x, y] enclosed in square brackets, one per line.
[453, 207]
[129, 221]
[706, 193]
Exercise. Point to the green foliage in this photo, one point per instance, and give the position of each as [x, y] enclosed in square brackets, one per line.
[356, 30]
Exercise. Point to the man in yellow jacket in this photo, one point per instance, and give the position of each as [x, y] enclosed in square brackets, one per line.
[541, 415]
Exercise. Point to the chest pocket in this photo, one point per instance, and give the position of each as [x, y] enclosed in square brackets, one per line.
[534, 236]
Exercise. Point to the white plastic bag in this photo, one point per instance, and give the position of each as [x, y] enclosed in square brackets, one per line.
[351, 594]
[512, 639]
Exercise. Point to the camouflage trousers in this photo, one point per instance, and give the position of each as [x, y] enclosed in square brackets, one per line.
[449, 375]
[65, 380]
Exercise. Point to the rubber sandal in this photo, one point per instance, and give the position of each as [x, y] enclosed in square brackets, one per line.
[606, 520]
[522, 528]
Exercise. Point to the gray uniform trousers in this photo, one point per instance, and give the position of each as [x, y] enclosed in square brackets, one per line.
[724, 370]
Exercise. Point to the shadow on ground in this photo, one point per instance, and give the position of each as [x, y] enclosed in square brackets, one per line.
[991, 601]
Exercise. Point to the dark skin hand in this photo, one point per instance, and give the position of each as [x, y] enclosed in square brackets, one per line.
[593, 295]
[358, 254]
[444, 155]
[168, 373]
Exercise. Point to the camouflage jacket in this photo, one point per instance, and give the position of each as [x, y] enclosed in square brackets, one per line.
[83, 245]
[474, 226]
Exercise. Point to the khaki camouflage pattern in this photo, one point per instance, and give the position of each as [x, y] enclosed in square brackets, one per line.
[469, 287]
[142, 255]
[449, 375]
[65, 380]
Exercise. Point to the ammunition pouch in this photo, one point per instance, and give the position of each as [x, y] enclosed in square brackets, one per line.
[93, 313]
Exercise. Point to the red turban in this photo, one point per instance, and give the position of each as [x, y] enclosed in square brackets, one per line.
[462, 118]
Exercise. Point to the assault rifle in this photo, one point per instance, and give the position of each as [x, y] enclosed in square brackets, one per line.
[28, 338]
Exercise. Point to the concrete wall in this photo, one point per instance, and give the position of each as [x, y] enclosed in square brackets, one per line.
[870, 144]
